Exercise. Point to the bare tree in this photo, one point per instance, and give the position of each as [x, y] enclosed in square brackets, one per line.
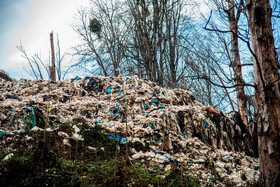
[135, 37]
[151, 39]
[206, 63]
[267, 93]
[59, 60]
[52, 66]
[156, 33]
[35, 63]
[39, 68]
[104, 36]
[236, 63]
[88, 50]
[230, 12]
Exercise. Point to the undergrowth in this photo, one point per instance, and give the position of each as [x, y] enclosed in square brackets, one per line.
[46, 160]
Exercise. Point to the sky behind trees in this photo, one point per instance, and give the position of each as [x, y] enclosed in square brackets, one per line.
[30, 22]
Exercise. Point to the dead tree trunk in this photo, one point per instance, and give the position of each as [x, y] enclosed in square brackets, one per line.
[267, 93]
[236, 64]
[52, 66]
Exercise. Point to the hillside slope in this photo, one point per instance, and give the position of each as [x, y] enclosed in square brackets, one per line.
[80, 131]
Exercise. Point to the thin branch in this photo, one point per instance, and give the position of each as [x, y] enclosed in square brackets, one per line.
[233, 86]
[247, 64]
[230, 100]
[215, 30]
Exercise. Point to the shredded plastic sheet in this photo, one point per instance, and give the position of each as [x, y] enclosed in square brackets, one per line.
[171, 125]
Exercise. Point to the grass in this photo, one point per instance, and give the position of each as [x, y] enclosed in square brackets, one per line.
[45, 160]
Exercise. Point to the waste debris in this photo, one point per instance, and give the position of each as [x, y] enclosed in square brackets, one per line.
[3, 75]
[162, 126]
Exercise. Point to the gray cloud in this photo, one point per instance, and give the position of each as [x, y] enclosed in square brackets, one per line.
[30, 22]
[12, 15]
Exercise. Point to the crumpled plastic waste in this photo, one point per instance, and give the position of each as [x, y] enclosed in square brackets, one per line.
[2, 134]
[164, 126]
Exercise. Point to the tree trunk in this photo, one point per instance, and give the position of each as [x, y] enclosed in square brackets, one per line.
[267, 94]
[172, 48]
[52, 67]
[236, 64]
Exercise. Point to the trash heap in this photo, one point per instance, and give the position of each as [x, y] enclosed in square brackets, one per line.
[164, 127]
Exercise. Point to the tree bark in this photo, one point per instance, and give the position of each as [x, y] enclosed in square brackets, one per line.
[52, 67]
[236, 64]
[267, 93]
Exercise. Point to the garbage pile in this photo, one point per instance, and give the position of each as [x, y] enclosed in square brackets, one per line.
[162, 126]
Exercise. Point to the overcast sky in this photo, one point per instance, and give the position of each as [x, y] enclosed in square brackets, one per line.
[30, 22]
